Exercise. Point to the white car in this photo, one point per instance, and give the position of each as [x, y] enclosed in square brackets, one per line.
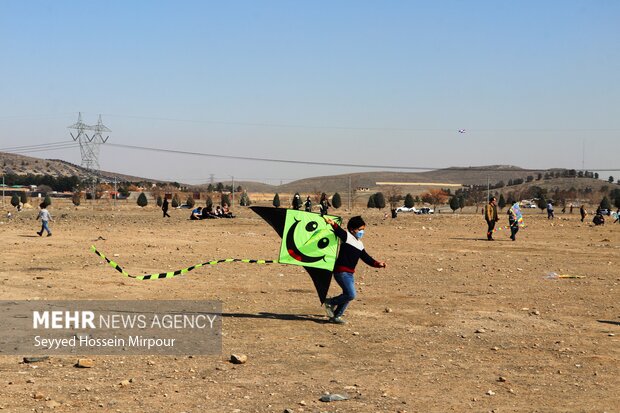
[405, 209]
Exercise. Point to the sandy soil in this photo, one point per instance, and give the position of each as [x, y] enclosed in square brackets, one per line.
[455, 323]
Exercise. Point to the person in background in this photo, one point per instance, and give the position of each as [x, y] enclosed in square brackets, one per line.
[164, 207]
[324, 204]
[513, 222]
[308, 204]
[45, 217]
[583, 212]
[550, 210]
[490, 216]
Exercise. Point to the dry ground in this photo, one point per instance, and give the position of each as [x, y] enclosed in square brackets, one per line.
[464, 312]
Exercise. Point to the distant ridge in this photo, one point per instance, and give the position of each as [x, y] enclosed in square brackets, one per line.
[471, 175]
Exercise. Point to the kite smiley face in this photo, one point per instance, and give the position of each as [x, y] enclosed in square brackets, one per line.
[305, 243]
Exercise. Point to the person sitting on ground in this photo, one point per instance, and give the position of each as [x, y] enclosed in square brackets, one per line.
[226, 212]
[599, 219]
[196, 214]
[207, 212]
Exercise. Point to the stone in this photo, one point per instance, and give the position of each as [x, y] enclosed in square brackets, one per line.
[35, 359]
[85, 363]
[238, 358]
[52, 404]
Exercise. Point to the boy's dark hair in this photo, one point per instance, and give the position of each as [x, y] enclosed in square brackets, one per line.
[42, 205]
[355, 222]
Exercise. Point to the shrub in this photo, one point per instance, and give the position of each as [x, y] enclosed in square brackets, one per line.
[336, 201]
[225, 200]
[160, 201]
[15, 200]
[409, 201]
[209, 202]
[142, 201]
[24, 198]
[190, 201]
[371, 202]
[175, 201]
[47, 201]
[454, 204]
[379, 200]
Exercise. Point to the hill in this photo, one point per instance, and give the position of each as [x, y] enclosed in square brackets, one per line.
[23, 165]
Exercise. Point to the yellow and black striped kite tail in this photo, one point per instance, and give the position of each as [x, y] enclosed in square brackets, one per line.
[177, 272]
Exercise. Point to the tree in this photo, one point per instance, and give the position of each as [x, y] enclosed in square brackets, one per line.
[502, 202]
[435, 197]
[210, 188]
[610, 179]
[190, 201]
[225, 200]
[542, 203]
[176, 201]
[219, 187]
[160, 201]
[245, 199]
[371, 202]
[336, 201]
[454, 204]
[47, 201]
[276, 200]
[24, 198]
[15, 200]
[379, 200]
[123, 191]
[409, 201]
[605, 204]
[142, 201]
[209, 203]
[76, 198]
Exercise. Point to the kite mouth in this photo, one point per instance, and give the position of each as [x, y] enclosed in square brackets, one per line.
[292, 249]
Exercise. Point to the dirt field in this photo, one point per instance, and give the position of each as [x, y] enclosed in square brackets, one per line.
[453, 324]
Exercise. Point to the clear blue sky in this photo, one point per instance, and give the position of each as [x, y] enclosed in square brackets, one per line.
[370, 82]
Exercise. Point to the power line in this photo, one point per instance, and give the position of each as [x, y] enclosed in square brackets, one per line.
[69, 144]
[346, 165]
[369, 128]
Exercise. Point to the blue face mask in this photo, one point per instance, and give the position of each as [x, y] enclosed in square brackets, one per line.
[359, 234]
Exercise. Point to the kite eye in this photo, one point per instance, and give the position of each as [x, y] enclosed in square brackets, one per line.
[323, 242]
[311, 226]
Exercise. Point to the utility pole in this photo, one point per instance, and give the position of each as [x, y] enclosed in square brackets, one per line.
[349, 192]
[115, 193]
[233, 192]
[488, 189]
[3, 189]
[89, 146]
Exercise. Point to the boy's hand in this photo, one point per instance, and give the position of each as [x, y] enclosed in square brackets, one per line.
[382, 264]
[329, 220]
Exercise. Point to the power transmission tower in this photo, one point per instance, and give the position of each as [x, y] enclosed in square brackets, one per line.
[89, 146]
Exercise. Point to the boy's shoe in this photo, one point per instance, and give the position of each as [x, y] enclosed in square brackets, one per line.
[49, 235]
[337, 320]
[329, 308]
[39, 233]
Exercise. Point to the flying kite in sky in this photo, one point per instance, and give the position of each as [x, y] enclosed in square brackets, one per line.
[462, 131]
[307, 241]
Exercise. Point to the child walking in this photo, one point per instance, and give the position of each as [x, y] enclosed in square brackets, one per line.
[45, 216]
[351, 250]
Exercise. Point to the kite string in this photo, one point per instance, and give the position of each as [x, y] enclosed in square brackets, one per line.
[171, 274]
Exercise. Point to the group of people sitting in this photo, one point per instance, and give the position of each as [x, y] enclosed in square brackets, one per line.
[211, 213]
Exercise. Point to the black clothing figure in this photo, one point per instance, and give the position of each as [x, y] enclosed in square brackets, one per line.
[164, 207]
